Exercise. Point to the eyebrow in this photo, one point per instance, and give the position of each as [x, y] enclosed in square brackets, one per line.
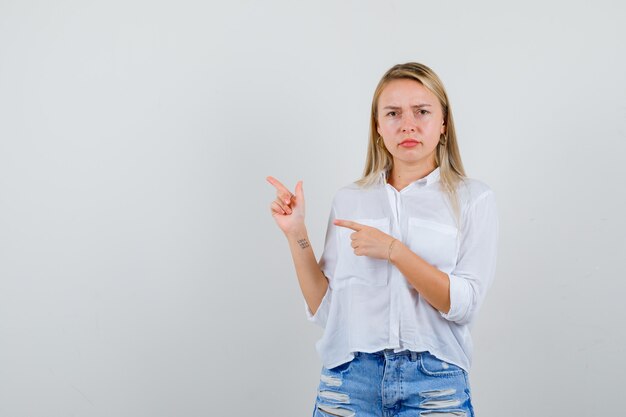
[415, 107]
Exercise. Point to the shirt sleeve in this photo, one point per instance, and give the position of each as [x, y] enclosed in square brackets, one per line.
[476, 265]
[321, 315]
[327, 264]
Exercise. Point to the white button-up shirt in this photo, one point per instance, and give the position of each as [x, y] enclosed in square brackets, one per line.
[369, 304]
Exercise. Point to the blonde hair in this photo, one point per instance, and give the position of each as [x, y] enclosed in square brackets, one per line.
[447, 155]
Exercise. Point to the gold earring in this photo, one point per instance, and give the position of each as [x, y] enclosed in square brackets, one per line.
[444, 141]
[378, 140]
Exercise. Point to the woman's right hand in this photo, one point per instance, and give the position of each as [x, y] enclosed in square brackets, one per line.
[288, 209]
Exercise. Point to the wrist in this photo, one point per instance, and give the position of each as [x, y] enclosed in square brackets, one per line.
[297, 233]
[394, 248]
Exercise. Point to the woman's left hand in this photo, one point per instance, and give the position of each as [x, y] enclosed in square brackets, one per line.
[367, 240]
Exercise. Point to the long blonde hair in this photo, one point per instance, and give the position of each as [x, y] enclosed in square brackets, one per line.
[447, 155]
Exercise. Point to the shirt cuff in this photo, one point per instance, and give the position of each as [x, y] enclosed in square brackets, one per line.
[321, 315]
[460, 299]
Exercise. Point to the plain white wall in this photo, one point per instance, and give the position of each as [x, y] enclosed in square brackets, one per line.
[141, 273]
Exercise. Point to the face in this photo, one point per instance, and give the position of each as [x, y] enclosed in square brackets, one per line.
[410, 121]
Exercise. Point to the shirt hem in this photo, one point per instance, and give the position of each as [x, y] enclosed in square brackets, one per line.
[414, 348]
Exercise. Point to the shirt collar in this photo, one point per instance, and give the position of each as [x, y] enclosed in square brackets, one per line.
[427, 180]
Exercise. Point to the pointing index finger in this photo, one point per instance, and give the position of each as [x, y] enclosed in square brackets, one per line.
[349, 224]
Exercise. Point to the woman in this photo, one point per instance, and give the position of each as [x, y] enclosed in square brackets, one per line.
[409, 254]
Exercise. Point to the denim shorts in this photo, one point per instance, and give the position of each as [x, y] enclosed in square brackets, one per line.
[386, 384]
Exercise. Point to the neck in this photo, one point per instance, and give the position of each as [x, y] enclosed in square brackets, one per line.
[402, 175]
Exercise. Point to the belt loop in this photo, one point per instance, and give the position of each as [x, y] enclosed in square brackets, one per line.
[413, 356]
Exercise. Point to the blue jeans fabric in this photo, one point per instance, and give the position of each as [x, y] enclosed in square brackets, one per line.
[386, 384]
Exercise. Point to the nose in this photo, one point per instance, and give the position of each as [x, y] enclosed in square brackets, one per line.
[408, 122]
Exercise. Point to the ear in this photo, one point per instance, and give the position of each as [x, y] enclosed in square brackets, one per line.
[378, 130]
[443, 127]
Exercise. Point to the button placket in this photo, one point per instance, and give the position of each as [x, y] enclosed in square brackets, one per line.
[394, 198]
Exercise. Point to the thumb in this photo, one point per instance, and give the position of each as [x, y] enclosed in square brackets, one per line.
[299, 191]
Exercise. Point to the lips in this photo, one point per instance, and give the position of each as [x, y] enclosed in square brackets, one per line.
[409, 142]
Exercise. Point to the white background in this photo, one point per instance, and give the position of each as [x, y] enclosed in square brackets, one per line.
[141, 273]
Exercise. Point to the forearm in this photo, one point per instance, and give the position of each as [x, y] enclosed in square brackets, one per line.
[313, 283]
[430, 282]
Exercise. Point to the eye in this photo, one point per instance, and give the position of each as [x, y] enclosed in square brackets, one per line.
[423, 112]
[392, 113]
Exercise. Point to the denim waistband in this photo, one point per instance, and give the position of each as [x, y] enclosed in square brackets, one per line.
[389, 353]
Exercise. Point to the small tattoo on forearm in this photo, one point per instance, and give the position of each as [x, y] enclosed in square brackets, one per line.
[303, 243]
